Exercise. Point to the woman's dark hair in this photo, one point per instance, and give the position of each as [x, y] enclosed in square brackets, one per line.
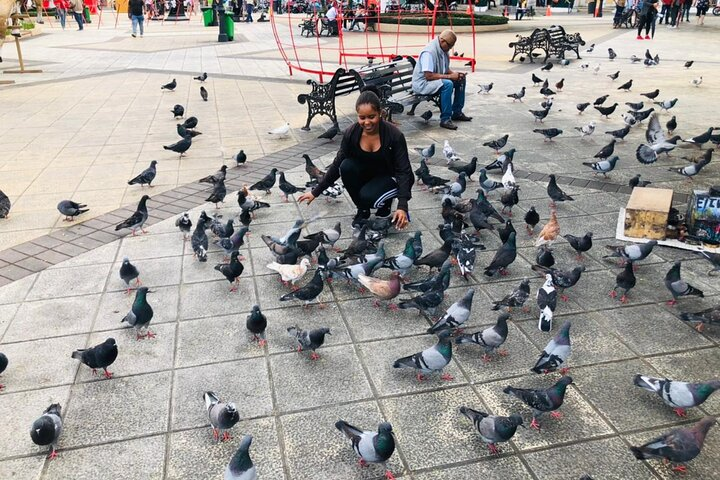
[369, 95]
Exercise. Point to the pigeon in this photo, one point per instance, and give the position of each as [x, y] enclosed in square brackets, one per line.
[178, 111]
[137, 219]
[426, 302]
[467, 168]
[222, 415]
[626, 86]
[290, 274]
[240, 158]
[280, 132]
[505, 255]
[146, 176]
[450, 153]
[432, 359]
[403, 262]
[328, 236]
[709, 316]
[542, 401]
[636, 182]
[456, 315]
[679, 395]
[678, 287]
[600, 100]
[184, 132]
[505, 231]
[47, 429]
[544, 256]
[190, 123]
[548, 133]
[561, 279]
[657, 144]
[439, 281]
[220, 230]
[536, 80]
[586, 130]
[694, 169]
[671, 124]
[713, 258]
[607, 111]
[256, 323]
[3, 365]
[180, 147]
[485, 89]
[241, 466]
[216, 177]
[555, 353]
[426, 152]
[636, 107]
[633, 253]
[614, 76]
[309, 340]
[677, 446]
[590, 49]
[71, 209]
[517, 96]
[696, 82]
[547, 301]
[547, 103]
[427, 115]
[555, 193]
[201, 77]
[502, 162]
[308, 292]
[666, 104]
[540, 114]
[331, 132]
[371, 447]
[564, 62]
[546, 92]
[493, 429]
[383, 289]
[266, 183]
[621, 133]
[532, 218]
[603, 166]
[128, 273]
[516, 298]
[4, 205]
[218, 194]
[99, 356]
[639, 116]
[581, 107]
[288, 188]
[232, 270]
[490, 338]
[546, 68]
[559, 85]
[635, 59]
[689, 63]
[580, 244]
[169, 86]
[437, 257]
[486, 184]
[199, 241]
[625, 280]
[550, 231]
[699, 140]
[651, 95]
[140, 314]
[203, 94]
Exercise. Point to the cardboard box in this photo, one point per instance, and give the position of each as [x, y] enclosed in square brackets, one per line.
[646, 214]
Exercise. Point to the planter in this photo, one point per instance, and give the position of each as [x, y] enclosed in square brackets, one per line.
[481, 9]
[423, 29]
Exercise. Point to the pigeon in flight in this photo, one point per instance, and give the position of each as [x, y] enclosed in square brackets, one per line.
[657, 144]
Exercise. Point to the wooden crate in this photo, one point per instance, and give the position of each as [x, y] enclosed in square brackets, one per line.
[646, 214]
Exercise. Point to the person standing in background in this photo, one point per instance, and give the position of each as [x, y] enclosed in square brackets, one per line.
[61, 7]
[686, 10]
[250, 5]
[701, 6]
[647, 18]
[77, 7]
[619, 9]
[665, 12]
[674, 12]
[136, 11]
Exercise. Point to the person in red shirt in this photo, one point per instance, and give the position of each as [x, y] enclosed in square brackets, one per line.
[665, 12]
[61, 7]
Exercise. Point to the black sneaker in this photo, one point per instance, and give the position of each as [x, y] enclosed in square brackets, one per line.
[449, 125]
[383, 211]
[359, 217]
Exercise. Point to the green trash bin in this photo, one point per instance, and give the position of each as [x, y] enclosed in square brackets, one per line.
[208, 16]
[230, 26]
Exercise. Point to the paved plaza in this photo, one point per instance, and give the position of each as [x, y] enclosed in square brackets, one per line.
[96, 117]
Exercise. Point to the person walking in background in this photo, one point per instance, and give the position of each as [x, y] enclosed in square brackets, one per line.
[619, 9]
[570, 6]
[136, 11]
[665, 12]
[647, 18]
[674, 12]
[77, 7]
[702, 7]
[250, 5]
[61, 7]
[686, 10]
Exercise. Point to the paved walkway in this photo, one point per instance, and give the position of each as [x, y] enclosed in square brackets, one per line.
[148, 421]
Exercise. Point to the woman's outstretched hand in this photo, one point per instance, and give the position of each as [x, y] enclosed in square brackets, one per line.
[400, 219]
[306, 197]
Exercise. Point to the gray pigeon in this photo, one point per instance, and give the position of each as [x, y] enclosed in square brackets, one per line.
[223, 416]
[128, 273]
[505, 255]
[309, 339]
[677, 446]
[241, 466]
[71, 209]
[199, 240]
[456, 315]
[493, 428]
[714, 259]
[632, 253]
[693, 169]
[47, 429]
[403, 262]
[486, 184]
[4, 205]
[679, 395]
[137, 219]
[146, 176]
[218, 194]
[603, 166]
[184, 224]
[516, 298]
[3, 365]
[140, 314]
[432, 359]
[426, 152]
[371, 447]
[709, 316]
[426, 302]
[542, 401]
[328, 236]
[490, 338]
[678, 287]
[555, 353]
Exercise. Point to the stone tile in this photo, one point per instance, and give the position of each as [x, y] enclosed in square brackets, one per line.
[380, 356]
[17, 290]
[195, 271]
[138, 458]
[328, 453]
[368, 322]
[85, 423]
[54, 283]
[104, 254]
[28, 468]
[20, 410]
[48, 318]
[579, 421]
[442, 421]
[7, 312]
[493, 469]
[115, 305]
[251, 394]
[616, 463]
[151, 246]
[193, 453]
[301, 383]
[214, 298]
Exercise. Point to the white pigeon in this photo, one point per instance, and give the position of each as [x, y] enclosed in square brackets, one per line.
[290, 273]
[596, 69]
[450, 154]
[508, 179]
[547, 301]
[696, 81]
[586, 129]
[280, 132]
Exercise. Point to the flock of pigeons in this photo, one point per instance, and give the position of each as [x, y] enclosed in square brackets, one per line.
[463, 221]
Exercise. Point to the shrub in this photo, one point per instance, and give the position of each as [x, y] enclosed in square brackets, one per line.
[459, 19]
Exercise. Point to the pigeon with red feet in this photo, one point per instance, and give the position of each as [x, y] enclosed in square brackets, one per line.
[256, 323]
[223, 416]
[99, 356]
[516, 298]
[679, 395]
[308, 292]
[128, 273]
[505, 255]
[232, 270]
[140, 314]
[561, 279]
[456, 315]
[309, 339]
[47, 429]
[580, 244]
[384, 290]
[679, 287]
[371, 447]
[709, 316]
[432, 359]
[490, 339]
[555, 353]
[541, 401]
[493, 429]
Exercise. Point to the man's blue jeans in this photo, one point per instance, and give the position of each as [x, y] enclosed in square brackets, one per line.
[448, 106]
[138, 20]
[249, 18]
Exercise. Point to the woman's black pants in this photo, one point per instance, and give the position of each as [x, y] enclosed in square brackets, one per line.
[368, 185]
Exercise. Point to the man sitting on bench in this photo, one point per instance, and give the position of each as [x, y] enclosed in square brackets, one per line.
[432, 74]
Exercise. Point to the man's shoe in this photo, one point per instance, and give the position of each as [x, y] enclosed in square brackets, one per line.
[461, 117]
[449, 125]
[383, 211]
[359, 217]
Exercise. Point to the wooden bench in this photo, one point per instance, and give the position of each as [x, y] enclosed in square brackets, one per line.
[321, 100]
[560, 42]
[537, 40]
